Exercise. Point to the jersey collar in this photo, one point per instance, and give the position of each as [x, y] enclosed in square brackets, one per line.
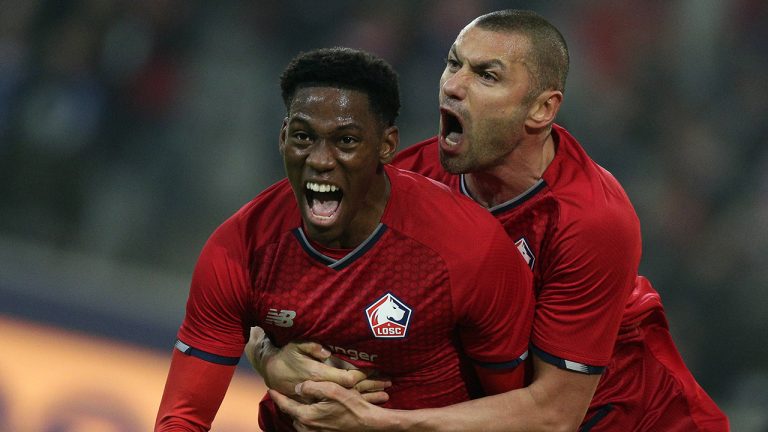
[338, 264]
[508, 205]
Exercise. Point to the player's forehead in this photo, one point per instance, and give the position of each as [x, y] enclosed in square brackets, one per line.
[315, 96]
[480, 45]
[330, 104]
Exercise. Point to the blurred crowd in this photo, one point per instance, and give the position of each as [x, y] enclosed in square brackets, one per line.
[130, 129]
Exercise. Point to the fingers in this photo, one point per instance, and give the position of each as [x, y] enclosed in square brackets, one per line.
[320, 390]
[378, 397]
[327, 371]
[314, 350]
[327, 368]
[335, 408]
[257, 334]
[251, 348]
[300, 361]
[286, 404]
[258, 348]
[372, 385]
[331, 391]
[349, 378]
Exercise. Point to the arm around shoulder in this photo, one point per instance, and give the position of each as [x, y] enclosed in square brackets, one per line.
[556, 400]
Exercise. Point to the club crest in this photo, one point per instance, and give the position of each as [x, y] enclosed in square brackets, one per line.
[388, 317]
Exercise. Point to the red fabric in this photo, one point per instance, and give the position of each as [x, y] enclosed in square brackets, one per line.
[649, 387]
[193, 393]
[495, 381]
[581, 235]
[584, 240]
[447, 260]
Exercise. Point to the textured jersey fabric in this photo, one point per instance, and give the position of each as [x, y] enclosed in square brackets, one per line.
[438, 271]
[579, 233]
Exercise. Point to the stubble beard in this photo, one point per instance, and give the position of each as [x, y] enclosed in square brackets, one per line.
[484, 151]
[455, 164]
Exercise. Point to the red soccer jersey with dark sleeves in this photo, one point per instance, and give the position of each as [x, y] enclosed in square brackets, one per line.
[579, 233]
[438, 270]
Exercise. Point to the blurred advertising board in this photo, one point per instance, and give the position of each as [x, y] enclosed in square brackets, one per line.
[53, 380]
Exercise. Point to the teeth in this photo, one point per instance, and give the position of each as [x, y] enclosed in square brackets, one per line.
[317, 187]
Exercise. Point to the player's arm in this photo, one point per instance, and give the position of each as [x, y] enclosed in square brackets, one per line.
[555, 401]
[193, 393]
[211, 337]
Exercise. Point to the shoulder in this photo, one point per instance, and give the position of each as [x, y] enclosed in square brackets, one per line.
[265, 217]
[586, 192]
[434, 215]
[594, 211]
[423, 158]
[428, 200]
[423, 149]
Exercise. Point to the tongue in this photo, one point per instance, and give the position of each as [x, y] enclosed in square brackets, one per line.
[454, 137]
[324, 208]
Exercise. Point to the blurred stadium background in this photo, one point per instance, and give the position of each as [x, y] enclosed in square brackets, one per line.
[130, 129]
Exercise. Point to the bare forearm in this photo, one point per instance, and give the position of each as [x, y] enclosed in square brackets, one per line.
[556, 401]
[513, 411]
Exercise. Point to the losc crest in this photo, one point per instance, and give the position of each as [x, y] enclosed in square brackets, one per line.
[388, 317]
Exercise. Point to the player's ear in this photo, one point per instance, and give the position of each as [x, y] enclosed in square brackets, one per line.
[281, 138]
[544, 109]
[389, 144]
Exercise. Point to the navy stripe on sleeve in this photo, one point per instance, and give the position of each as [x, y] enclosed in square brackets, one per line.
[503, 365]
[567, 364]
[211, 358]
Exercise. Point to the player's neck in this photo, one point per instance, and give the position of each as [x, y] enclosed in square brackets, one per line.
[518, 172]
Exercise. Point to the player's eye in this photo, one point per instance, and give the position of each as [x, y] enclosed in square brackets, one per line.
[452, 64]
[348, 141]
[301, 139]
[487, 76]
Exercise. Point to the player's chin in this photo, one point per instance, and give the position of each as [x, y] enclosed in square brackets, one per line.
[452, 163]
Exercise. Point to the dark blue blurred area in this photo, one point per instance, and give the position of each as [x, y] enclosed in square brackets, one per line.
[130, 129]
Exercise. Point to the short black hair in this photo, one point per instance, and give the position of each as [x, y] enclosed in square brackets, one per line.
[549, 52]
[345, 68]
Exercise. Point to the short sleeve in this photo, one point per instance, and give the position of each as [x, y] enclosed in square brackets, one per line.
[585, 288]
[216, 313]
[496, 306]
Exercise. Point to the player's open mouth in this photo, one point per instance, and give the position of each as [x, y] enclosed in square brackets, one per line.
[323, 201]
[451, 128]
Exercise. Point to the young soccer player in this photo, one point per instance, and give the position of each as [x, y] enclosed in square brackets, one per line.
[391, 270]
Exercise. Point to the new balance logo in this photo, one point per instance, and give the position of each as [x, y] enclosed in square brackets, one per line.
[284, 318]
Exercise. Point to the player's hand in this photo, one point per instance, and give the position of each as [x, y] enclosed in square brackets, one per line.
[282, 369]
[337, 409]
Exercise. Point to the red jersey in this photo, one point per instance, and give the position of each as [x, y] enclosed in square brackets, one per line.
[579, 233]
[437, 270]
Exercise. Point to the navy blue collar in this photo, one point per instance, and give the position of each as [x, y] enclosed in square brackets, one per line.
[508, 205]
[348, 258]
